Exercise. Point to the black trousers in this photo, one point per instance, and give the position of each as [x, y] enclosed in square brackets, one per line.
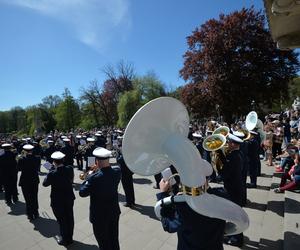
[157, 178]
[10, 187]
[30, 193]
[79, 162]
[107, 233]
[127, 183]
[276, 149]
[253, 171]
[65, 218]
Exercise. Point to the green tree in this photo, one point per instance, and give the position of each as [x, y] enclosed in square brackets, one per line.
[16, 119]
[67, 113]
[128, 104]
[149, 86]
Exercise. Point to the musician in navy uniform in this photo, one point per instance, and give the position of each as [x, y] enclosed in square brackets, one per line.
[102, 187]
[127, 180]
[8, 166]
[49, 151]
[62, 197]
[194, 231]
[245, 168]
[68, 151]
[233, 182]
[29, 181]
[89, 151]
[254, 161]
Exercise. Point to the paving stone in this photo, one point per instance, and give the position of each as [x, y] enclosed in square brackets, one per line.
[138, 227]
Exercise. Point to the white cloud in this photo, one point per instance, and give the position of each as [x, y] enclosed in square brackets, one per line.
[94, 22]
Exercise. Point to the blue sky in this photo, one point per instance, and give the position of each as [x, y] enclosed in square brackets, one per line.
[47, 45]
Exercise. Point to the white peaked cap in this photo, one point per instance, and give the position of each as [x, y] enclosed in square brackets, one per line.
[78, 136]
[63, 136]
[98, 134]
[90, 139]
[234, 138]
[238, 134]
[57, 155]
[102, 153]
[197, 135]
[28, 139]
[28, 147]
[4, 145]
[66, 139]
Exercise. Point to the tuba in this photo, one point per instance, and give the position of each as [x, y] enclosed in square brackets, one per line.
[155, 138]
[215, 142]
[252, 122]
[223, 130]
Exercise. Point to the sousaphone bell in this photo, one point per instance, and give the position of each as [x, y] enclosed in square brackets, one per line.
[155, 138]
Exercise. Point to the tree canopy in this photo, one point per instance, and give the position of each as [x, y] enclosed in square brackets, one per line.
[231, 62]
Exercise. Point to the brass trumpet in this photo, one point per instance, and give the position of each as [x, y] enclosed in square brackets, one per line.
[83, 176]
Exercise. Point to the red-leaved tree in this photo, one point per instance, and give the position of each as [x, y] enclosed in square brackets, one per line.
[232, 61]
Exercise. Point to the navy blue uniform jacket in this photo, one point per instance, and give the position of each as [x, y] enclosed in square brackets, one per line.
[102, 187]
[61, 180]
[29, 167]
[232, 176]
[194, 231]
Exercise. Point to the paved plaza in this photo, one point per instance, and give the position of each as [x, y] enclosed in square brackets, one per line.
[139, 228]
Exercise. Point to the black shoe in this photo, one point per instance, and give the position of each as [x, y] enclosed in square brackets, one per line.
[8, 203]
[251, 185]
[235, 241]
[30, 217]
[36, 215]
[63, 242]
[126, 204]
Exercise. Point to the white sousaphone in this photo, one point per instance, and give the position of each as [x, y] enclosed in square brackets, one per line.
[155, 138]
[252, 122]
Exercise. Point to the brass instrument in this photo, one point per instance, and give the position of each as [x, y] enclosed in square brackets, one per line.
[43, 143]
[224, 130]
[246, 133]
[84, 175]
[214, 142]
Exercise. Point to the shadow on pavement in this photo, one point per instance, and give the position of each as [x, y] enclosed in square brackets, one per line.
[292, 240]
[122, 198]
[76, 186]
[266, 175]
[79, 245]
[141, 181]
[270, 244]
[18, 208]
[263, 187]
[276, 207]
[145, 210]
[2, 196]
[291, 206]
[46, 227]
[255, 205]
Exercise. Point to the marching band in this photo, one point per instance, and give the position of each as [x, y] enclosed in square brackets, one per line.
[220, 154]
